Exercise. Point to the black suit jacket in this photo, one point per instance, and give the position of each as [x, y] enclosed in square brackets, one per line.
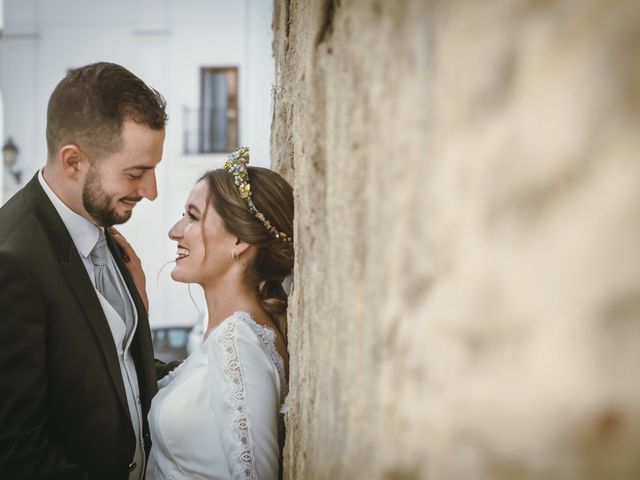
[63, 407]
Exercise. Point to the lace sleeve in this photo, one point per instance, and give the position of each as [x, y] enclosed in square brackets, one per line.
[252, 398]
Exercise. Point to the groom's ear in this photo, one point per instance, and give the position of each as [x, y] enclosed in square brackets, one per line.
[71, 160]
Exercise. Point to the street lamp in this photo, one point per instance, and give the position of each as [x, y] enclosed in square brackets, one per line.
[9, 155]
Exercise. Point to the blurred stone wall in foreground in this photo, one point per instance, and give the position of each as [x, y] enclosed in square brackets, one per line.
[467, 284]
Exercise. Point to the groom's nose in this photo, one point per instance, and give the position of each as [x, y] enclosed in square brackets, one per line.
[149, 188]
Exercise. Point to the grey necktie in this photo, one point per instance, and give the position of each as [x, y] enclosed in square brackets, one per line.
[105, 279]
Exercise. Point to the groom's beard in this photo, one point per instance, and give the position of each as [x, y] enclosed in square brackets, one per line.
[99, 204]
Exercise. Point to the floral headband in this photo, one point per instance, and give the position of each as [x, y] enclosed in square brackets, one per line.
[236, 165]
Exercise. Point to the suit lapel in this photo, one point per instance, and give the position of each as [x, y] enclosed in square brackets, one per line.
[76, 275]
[77, 278]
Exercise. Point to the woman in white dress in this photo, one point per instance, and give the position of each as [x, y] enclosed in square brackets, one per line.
[217, 416]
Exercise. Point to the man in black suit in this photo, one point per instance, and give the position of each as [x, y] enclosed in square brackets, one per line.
[77, 373]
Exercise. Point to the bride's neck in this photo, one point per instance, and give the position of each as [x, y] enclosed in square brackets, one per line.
[228, 298]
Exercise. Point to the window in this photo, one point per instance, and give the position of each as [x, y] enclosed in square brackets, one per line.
[217, 115]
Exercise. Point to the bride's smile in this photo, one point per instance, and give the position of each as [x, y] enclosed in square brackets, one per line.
[182, 252]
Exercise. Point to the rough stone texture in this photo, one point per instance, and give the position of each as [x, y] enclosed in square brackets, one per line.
[467, 283]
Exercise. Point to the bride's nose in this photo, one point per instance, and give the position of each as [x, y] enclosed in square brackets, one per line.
[175, 232]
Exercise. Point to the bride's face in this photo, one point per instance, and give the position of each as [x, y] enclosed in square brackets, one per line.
[205, 248]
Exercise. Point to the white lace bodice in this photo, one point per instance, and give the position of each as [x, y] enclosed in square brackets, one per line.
[217, 415]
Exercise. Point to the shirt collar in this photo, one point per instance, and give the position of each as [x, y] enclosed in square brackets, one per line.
[83, 232]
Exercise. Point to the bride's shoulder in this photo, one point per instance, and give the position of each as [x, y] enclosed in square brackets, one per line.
[242, 328]
[238, 325]
[236, 338]
[247, 325]
[241, 340]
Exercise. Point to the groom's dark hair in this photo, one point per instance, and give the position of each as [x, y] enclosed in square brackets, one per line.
[89, 105]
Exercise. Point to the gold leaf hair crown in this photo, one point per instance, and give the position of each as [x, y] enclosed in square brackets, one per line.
[236, 165]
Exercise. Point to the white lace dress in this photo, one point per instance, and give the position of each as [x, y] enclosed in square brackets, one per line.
[217, 416]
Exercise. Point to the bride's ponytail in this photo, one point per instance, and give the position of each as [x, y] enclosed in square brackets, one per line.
[274, 300]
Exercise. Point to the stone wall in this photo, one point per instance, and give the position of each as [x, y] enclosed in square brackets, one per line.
[467, 283]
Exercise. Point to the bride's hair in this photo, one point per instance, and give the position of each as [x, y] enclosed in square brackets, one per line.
[273, 197]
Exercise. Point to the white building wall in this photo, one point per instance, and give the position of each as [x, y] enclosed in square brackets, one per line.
[165, 43]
